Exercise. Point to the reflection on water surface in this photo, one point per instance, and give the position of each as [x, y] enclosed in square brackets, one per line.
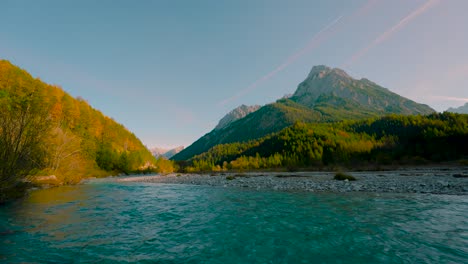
[128, 222]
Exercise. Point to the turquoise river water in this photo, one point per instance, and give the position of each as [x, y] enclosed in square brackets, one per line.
[104, 221]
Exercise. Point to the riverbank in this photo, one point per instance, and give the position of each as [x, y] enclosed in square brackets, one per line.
[437, 180]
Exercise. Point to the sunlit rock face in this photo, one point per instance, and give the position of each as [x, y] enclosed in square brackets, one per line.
[325, 83]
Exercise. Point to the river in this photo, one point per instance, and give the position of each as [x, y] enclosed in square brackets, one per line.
[106, 221]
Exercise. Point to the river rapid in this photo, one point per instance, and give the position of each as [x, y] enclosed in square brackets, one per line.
[107, 221]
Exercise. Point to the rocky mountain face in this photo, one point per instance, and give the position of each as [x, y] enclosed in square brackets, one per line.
[167, 153]
[326, 95]
[461, 110]
[323, 82]
[236, 114]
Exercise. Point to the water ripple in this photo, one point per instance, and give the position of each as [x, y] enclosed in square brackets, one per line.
[135, 222]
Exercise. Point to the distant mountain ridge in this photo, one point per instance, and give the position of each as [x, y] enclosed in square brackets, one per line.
[167, 153]
[461, 110]
[326, 95]
[236, 114]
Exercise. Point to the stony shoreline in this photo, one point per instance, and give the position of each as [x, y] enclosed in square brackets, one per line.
[444, 180]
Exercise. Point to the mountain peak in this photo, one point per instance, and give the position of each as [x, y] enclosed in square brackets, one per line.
[235, 114]
[335, 86]
[341, 73]
[320, 71]
[327, 94]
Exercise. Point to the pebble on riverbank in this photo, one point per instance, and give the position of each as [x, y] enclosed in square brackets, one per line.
[427, 180]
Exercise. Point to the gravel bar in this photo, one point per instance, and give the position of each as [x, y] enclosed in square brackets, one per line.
[452, 181]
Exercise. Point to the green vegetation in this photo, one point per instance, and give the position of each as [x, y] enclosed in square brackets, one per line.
[394, 139]
[44, 132]
[340, 176]
[268, 119]
[327, 95]
[49, 137]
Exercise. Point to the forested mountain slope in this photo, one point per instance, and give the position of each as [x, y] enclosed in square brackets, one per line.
[394, 139]
[45, 131]
[326, 95]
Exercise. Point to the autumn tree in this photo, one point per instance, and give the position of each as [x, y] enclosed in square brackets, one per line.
[23, 124]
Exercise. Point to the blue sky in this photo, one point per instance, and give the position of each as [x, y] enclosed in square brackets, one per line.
[169, 70]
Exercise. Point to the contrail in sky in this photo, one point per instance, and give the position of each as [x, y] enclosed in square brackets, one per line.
[316, 39]
[384, 36]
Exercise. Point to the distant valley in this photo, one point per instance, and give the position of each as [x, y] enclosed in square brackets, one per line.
[165, 152]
